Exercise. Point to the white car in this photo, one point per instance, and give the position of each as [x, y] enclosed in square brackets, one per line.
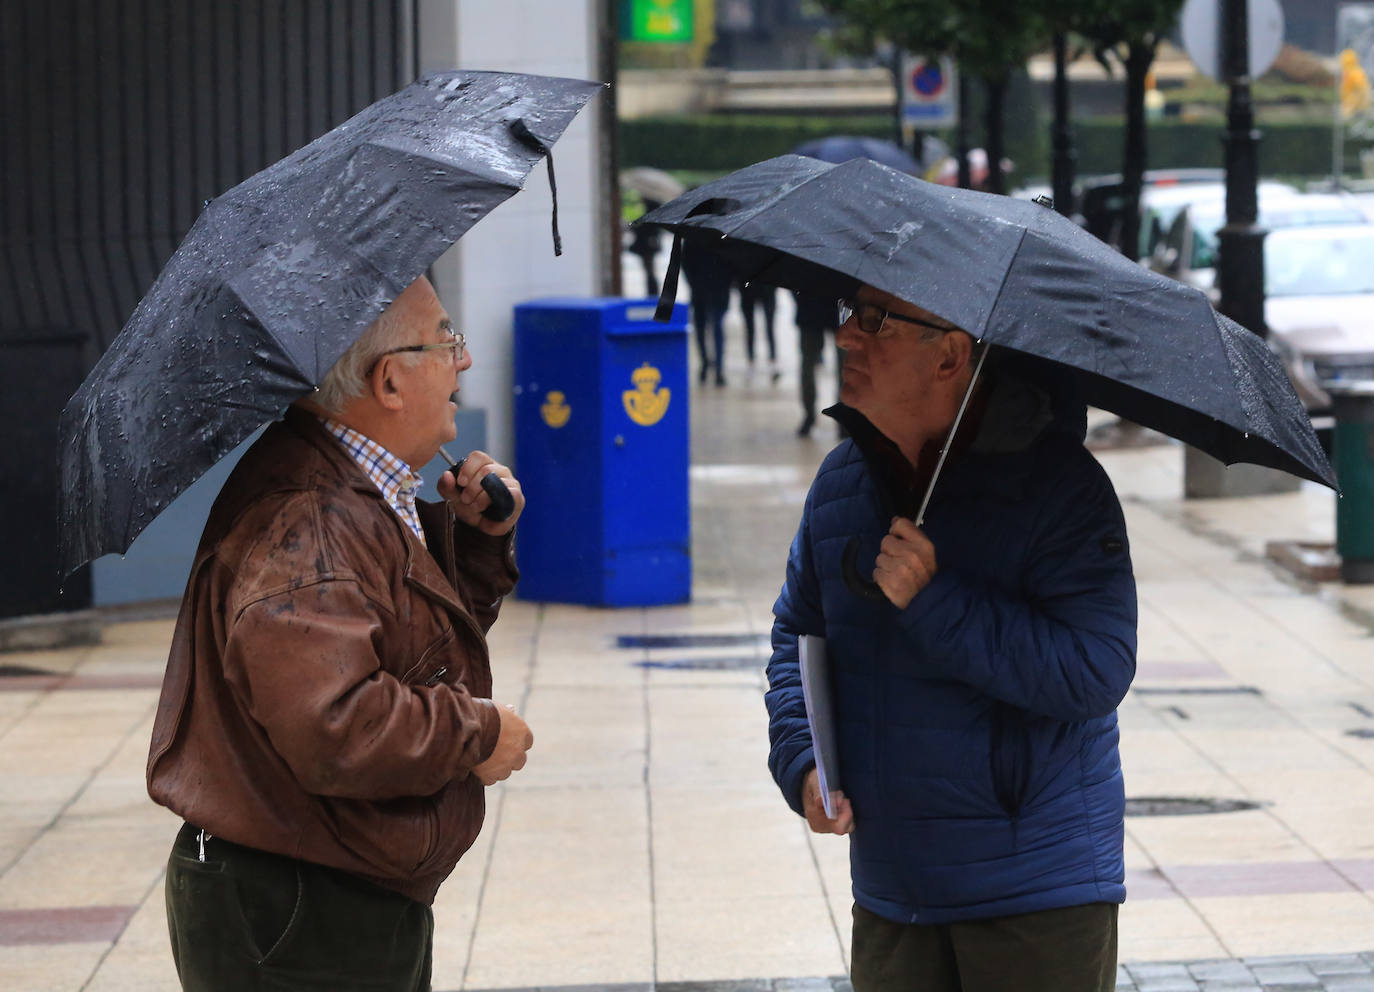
[1160, 206]
[1189, 250]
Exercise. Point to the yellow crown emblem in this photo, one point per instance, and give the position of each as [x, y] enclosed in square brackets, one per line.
[646, 377]
[555, 409]
[646, 403]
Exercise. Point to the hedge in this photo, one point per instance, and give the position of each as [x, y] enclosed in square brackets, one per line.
[721, 142]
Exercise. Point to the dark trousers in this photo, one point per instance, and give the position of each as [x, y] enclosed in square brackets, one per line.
[812, 354]
[247, 921]
[751, 298]
[710, 316]
[1057, 950]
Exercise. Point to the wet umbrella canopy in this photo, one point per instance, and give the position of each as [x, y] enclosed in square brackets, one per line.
[279, 276]
[1019, 276]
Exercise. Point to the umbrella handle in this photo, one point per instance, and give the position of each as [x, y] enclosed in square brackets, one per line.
[502, 502]
[849, 567]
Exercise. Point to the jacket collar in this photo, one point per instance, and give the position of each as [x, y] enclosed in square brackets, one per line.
[991, 454]
[422, 567]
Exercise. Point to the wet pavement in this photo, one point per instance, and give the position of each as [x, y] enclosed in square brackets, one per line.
[645, 847]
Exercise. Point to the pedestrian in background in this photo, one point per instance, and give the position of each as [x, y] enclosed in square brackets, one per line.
[755, 296]
[709, 279]
[327, 728]
[816, 320]
[975, 680]
[644, 245]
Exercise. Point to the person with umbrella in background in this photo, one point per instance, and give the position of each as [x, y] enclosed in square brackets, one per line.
[962, 561]
[328, 721]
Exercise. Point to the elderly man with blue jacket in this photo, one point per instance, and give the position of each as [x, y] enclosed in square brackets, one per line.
[975, 699]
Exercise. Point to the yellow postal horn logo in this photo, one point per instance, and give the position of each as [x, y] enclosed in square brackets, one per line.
[555, 409]
[646, 403]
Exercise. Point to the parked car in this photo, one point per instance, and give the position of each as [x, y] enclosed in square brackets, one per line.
[1188, 251]
[1161, 205]
[1100, 199]
[1319, 305]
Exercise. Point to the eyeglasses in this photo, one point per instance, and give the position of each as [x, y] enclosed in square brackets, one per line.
[870, 317]
[456, 341]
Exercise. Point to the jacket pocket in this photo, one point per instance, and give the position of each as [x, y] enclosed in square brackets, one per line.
[1009, 758]
[430, 670]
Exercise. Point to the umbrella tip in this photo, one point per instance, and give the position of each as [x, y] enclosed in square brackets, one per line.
[1043, 200]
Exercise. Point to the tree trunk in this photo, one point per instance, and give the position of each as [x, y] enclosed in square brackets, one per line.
[961, 131]
[1139, 55]
[994, 124]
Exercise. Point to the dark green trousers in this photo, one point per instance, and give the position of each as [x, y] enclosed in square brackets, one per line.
[1057, 950]
[244, 920]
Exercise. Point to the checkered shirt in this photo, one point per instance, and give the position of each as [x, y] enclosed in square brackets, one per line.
[391, 475]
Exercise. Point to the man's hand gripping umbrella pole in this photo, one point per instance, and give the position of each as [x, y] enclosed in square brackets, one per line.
[906, 558]
[502, 503]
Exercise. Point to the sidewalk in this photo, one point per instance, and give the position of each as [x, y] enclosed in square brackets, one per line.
[645, 845]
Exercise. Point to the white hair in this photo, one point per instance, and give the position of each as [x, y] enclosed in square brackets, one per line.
[347, 379]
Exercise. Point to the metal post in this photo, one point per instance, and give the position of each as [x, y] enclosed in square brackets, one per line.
[607, 57]
[1065, 157]
[961, 140]
[1337, 144]
[1240, 267]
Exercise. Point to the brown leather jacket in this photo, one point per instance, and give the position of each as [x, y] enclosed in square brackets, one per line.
[328, 689]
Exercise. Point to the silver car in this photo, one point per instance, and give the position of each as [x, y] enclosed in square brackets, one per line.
[1189, 249]
[1319, 285]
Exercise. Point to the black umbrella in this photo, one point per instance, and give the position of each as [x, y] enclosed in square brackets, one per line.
[277, 278]
[1018, 276]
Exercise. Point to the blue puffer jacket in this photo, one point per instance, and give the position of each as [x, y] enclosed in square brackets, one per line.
[977, 727]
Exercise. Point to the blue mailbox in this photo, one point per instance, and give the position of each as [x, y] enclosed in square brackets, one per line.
[601, 435]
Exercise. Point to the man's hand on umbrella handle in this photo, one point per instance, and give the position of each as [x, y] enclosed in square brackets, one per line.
[906, 562]
[465, 493]
[815, 808]
[509, 754]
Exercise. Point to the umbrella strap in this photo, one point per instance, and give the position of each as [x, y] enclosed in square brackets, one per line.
[664, 312]
[949, 439]
[528, 138]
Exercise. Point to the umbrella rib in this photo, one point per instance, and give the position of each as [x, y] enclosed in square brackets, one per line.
[997, 300]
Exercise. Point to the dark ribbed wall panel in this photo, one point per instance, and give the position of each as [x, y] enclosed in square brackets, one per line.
[119, 121]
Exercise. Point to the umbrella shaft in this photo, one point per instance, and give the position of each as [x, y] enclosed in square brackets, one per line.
[949, 439]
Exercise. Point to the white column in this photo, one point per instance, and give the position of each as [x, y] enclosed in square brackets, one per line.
[507, 257]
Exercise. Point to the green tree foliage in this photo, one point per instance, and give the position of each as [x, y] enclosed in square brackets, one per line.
[988, 38]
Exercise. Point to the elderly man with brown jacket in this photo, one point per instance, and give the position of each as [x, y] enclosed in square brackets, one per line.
[327, 727]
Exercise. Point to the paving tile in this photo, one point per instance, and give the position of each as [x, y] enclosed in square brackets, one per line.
[140, 960]
[1348, 983]
[745, 937]
[1258, 878]
[1341, 964]
[1303, 924]
[1153, 971]
[1283, 974]
[62, 925]
[1170, 984]
[38, 968]
[1221, 970]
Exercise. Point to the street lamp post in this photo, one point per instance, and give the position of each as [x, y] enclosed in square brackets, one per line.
[1240, 267]
[1064, 156]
